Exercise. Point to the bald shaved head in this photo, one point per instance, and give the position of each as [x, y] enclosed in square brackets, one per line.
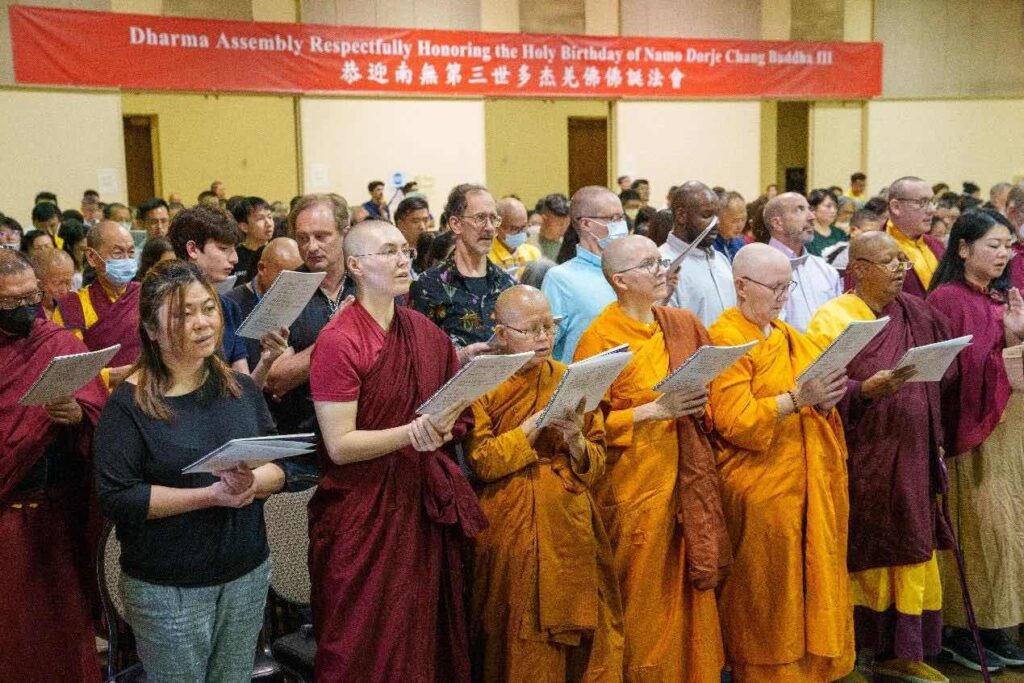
[694, 206]
[754, 258]
[13, 262]
[625, 253]
[103, 233]
[873, 258]
[590, 199]
[373, 254]
[282, 250]
[50, 259]
[368, 236]
[870, 244]
[515, 302]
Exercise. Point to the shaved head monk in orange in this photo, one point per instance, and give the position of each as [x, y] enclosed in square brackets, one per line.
[785, 606]
[660, 498]
[545, 601]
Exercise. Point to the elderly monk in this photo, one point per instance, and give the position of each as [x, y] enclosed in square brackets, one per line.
[785, 607]
[389, 518]
[107, 311]
[55, 272]
[545, 600]
[46, 633]
[660, 498]
[895, 439]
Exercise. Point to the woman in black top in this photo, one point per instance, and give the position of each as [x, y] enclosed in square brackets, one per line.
[194, 556]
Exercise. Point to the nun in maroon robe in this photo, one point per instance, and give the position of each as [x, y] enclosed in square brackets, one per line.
[387, 534]
[46, 632]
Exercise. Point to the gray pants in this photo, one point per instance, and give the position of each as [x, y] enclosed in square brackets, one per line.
[197, 635]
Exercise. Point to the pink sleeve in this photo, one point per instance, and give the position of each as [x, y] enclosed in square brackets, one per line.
[334, 367]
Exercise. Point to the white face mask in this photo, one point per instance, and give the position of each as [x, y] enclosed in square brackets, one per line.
[515, 241]
[616, 230]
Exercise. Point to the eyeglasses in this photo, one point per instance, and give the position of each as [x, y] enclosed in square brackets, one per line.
[650, 265]
[8, 303]
[897, 266]
[545, 330]
[516, 229]
[920, 203]
[614, 218]
[481, 219]
[407, 252]
[778, 290]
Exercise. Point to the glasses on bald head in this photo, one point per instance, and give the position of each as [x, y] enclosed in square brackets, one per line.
[777, 290]
[919, 202]
[897, 265]
[391, 251]
[537, 331]
[652, 266]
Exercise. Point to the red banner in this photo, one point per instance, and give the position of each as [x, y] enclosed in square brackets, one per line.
[100, 49]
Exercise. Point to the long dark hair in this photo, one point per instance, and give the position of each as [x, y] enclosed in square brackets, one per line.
[166, 283]
[569, 241]
[970, 227]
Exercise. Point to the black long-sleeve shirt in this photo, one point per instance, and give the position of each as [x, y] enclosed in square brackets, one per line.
[135, 452]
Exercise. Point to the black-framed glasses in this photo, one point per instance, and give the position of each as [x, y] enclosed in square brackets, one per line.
[615, 217]
[481, 219]
[919, 202]
[777, 290]
[408, 252]
[545, 330]
[8, 303]
[650, 265]
[896, 266]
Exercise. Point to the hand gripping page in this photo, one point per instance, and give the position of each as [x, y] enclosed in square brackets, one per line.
[588, 380]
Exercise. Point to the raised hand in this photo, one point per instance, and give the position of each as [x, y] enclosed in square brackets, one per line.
[273, 344]
[886, 382]
[1013, 317]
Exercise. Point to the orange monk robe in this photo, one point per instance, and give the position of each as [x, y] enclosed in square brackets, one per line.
[544, 593]
[672, 631]
[785, 607]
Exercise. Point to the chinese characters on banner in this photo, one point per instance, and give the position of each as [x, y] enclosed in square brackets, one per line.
[99, 49]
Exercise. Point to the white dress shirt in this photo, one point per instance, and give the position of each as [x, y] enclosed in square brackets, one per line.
[705, 281]
[817, 283]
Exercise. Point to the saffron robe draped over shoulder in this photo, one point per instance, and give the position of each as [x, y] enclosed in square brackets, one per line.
[46, 632]
[671, 628]
[897, 474]
[546, 602]
[785, 606]
[387, 534]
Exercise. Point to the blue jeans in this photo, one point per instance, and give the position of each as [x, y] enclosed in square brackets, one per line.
[197, 635]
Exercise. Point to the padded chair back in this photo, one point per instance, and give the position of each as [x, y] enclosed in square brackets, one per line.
[288, 537]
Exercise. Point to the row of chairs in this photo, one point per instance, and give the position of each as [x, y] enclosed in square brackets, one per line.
[286, 657]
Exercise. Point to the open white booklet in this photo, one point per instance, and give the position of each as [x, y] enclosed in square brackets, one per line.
[843, 348]
[254, 452]
[588, 380]
[707, 363]
[476, 378]
[281, 303]
[932, 360]
[65, 375]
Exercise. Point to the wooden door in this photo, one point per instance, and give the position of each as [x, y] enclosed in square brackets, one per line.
[138, 152]
[588, 152]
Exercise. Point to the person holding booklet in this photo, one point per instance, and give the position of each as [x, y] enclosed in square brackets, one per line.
[785, 606]
[971, 287]
[194, 556]
[894, 433]
[45, 452]
[659, 499]
[390, 518]
[545, 603]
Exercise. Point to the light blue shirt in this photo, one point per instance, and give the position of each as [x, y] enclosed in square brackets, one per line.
[816, 283]
[578, 292]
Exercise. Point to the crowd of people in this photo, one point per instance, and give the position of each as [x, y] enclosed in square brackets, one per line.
[761, 527]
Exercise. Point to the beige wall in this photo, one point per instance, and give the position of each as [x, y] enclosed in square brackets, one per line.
[527, 144]
[941, 140]
[692, 18]
[836, 143]
[248, 142]
[440, 143]
[668, 143]
[59, 142]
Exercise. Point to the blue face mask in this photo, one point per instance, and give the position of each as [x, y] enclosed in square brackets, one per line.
[122, 270]
[515, 241]
[616, 230]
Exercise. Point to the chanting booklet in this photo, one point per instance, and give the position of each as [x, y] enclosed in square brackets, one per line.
[281, 304]
[932, 360]
[475, 379]
[703, 366]
[677, 262]
[253, 452]
[67, 374]
[843, 348]
[586, 380]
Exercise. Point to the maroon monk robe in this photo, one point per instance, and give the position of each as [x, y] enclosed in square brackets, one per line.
[387, 535]
[116, 322]
[984, 387]
[46, 633]
[912, 283]
[897, 473]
